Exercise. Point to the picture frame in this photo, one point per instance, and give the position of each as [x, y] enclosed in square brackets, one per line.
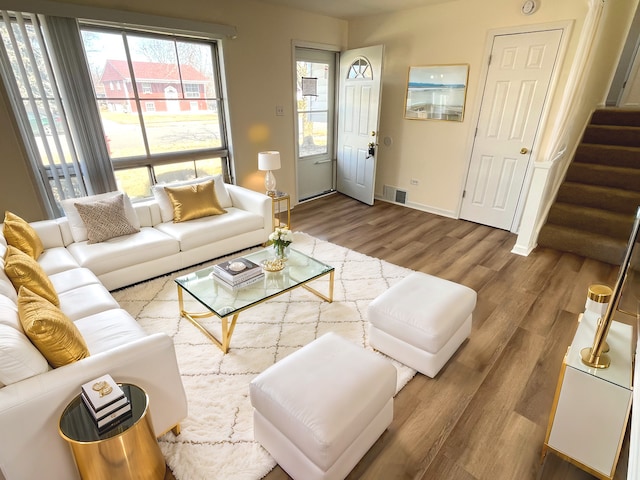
[436, 92]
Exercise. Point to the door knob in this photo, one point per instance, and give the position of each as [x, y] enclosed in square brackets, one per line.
[524, 150]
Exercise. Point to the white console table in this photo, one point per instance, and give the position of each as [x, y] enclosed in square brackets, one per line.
[591, 406]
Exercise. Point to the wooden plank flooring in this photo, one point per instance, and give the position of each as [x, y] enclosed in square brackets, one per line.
[485, 415]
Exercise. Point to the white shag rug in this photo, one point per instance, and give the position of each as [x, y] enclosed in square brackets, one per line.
[216, 441]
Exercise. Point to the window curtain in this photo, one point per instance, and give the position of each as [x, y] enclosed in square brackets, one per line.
[74, 79]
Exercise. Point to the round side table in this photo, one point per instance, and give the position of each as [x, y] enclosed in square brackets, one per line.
[127, 451]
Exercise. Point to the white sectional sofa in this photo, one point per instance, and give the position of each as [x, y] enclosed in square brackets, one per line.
[82, 275]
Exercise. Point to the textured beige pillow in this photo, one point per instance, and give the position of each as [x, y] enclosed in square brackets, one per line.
[105, 219]
[194, 201]
[50, 330]
[23, 270]
[76, 225]
[18, 233]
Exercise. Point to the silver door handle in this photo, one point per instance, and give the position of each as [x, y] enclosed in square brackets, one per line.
[318, 162]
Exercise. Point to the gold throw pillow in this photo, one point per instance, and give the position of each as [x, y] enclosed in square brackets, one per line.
[24, 270]
[194, 201]
[50, 330]
[18, 233]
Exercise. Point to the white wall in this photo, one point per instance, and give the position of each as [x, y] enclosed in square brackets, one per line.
[258, 66]
[435, 152]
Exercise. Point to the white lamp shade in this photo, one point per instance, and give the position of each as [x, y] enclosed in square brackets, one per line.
[269, 160]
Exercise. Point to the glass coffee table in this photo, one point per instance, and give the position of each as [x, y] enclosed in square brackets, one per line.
[227, 302]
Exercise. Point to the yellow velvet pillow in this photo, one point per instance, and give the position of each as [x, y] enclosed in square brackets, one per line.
[50, 330]
[18, 233]
[23, 270]
[194, 201]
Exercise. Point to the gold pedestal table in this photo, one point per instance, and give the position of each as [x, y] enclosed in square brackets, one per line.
[128, 450]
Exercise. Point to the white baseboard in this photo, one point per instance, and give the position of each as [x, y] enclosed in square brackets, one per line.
[423, 208]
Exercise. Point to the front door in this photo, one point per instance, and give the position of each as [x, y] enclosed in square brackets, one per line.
[358, 118]
[515, 91]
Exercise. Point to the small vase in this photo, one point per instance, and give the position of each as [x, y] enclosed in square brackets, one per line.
[282, 251]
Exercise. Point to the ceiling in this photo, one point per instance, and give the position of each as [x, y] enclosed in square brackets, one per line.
[353, 8]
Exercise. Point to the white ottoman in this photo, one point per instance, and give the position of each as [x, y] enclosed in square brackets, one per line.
[421, 321]
[319, 410]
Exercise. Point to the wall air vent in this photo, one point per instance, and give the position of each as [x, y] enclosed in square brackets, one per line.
[394, 194]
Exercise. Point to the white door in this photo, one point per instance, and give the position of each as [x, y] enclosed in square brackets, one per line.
[515, 91]
[358, 118]
[315, 126]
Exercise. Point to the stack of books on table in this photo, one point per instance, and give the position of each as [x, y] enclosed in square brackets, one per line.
[238, 272]
[106, 402]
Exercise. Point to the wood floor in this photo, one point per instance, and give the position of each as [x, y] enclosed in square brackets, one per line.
[485, 415]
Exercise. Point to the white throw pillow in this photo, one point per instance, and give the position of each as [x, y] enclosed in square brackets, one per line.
[78, 229]
[9, 314]
[19, 358]
[166, 207]
[6, 287]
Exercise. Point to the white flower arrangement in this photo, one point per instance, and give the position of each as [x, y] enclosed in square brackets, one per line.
[281, 238]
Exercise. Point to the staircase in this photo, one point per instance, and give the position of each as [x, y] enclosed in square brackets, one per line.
[596, 204]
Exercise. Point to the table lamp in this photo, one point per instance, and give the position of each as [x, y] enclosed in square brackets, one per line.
[269, 161]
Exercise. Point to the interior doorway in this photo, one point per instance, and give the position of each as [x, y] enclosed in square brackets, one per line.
[515, 91]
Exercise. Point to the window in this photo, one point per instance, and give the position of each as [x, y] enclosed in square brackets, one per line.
[170, 127]
[360, 68]
[192, 90]
[315, 117]
[36, 96]
[72, 122]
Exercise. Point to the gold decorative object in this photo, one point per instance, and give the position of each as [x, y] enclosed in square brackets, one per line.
[594, 356]
[102, 387]
[273, 265]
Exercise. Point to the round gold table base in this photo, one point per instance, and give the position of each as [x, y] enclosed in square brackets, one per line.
[134, 454]
[603, 361]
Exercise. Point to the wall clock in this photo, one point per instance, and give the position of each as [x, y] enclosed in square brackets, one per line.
[529, 6]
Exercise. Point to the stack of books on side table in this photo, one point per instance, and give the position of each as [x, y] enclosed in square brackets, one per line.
[239, 272]
[106, 402]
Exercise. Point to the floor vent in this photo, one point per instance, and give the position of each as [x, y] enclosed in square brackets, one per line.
[394, 194]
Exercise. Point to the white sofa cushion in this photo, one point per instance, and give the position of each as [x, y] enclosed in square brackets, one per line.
[166, 207]
[121, 252]
[71, 279]
[207, 230]
[9, 313]
[87, 300]
[109, 329]
[78, 229]
[58, 259]
[6, 287]
[19, 358]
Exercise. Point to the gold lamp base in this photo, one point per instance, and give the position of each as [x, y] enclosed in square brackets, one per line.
[603, 361]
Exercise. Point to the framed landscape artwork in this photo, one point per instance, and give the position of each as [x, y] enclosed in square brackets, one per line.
[436, 92]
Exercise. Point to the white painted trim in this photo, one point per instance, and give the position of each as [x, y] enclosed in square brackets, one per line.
[294, 107]
[535, 212]
[422, 208]
[566, 27]
[121, 17]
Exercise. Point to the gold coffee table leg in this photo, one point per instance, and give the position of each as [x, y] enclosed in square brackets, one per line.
[327, 298]
[227, 328]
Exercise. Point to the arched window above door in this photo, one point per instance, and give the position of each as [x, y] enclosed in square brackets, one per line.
[360, 69]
